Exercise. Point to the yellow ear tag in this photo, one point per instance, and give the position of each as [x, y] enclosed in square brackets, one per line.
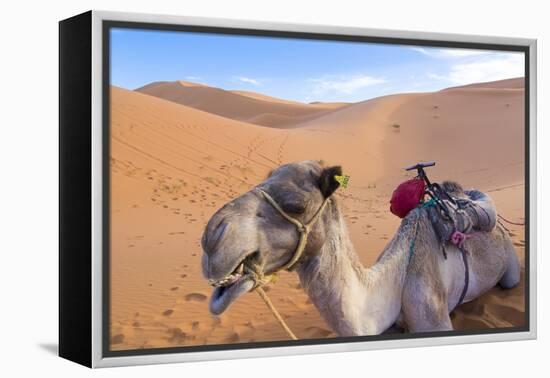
[342, 180]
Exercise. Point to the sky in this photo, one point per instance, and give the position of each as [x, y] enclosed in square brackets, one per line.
[300, 70]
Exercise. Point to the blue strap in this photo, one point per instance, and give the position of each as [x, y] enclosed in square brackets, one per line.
[429, 203]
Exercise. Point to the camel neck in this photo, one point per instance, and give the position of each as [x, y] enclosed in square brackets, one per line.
[354, 300]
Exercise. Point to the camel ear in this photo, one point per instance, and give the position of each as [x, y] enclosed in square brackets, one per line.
[327, 182]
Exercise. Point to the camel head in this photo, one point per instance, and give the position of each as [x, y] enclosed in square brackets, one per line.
[248, 237]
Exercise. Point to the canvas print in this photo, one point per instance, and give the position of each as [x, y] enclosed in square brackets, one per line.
[269, 188]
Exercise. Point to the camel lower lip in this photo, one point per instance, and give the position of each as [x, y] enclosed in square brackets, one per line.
[223, 296]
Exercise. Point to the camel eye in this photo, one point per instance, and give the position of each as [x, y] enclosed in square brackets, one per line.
[294, 207]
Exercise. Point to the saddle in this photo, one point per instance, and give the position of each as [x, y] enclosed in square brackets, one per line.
[467, 211]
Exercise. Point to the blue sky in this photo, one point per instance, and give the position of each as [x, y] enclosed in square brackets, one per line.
[301, 70]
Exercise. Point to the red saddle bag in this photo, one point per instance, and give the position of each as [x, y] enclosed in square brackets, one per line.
[406, 197]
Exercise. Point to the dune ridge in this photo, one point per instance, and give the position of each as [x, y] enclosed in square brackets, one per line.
[238, 105]
[514, 83]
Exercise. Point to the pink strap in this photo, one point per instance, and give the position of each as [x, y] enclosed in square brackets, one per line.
[458, 238]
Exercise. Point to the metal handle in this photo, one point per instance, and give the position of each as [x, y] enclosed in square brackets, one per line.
[421, 165]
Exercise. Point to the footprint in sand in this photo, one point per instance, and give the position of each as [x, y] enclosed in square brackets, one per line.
[174, 288]
[233, 338]
[250, 325]
[216, 321]
[195, 297]
[117, 339]
[317, 332]
[168, 312]
[176, 335]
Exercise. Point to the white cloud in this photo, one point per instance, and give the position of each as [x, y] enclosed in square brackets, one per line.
[246, 80]
[498, 67]
[450, 53]
[196, 78]
[346, 84]
[460, 53]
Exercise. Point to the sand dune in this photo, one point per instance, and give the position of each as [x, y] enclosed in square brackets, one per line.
[515, 83]
[263, 97]
[238, 105]
[173, 166]
[333, 105]
[423, 126]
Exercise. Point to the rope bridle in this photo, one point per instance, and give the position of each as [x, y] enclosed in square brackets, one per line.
[304, 229]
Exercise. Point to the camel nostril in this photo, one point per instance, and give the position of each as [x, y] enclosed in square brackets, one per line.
[213, 240]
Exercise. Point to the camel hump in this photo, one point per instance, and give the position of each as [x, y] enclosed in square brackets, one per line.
[453, 188]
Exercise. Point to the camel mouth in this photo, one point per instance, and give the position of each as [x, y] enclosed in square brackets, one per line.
[232, 286]
[229, 279]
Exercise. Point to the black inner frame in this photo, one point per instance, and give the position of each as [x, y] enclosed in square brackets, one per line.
[106, 28]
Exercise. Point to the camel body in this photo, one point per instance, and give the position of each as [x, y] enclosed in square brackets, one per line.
[416, 288]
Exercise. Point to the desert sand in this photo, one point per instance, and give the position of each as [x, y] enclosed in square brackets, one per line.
[179, 151]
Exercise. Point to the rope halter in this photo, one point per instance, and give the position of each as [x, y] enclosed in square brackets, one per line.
[303, 228]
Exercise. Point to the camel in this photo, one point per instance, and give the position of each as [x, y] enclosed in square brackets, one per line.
[248, 238]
